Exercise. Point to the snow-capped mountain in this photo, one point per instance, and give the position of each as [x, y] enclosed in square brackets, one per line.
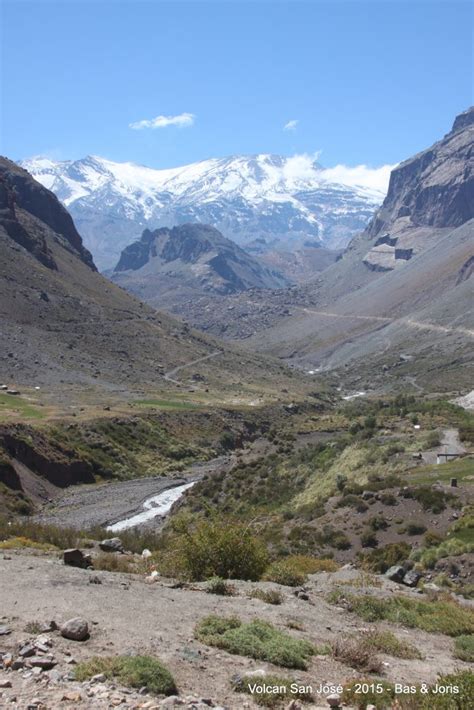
[282, 200]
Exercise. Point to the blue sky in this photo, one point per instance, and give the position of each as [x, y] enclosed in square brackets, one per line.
[367, 82]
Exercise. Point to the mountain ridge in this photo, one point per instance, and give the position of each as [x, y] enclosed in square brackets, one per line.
[280, 199]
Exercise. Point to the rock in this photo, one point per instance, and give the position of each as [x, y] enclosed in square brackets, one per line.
[76, 558]
[26, 651]
[411, 578]
[5, 630]
[17, 665]
[111, 544]
[367, 494]
[257, 673]
[395, 573]
[48, 626]
[94, 579]
[98, 678]
[43, 662]
[146, 554]
[333, 700]
[431, 587]
[76, 629]
[5, 683]
[72, 697]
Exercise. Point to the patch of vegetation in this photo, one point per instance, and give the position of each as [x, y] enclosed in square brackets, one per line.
[383, 558]
[257, 639]
[217, 585]
[33, 628]
[132, 671]
[387, 642]
[269, 596]
[13, 543]
[353, 653]
[451, 547]
[436, 616]
[464, 648]
[281, 690]
[215, 548]
[14, 407]
[430, 498]
[383, 694]
[369, 539]
[293, 571]
[126, 564]
[352, 501]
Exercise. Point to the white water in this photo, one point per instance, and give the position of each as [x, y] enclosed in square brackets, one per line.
[152, 507]
[353, 396]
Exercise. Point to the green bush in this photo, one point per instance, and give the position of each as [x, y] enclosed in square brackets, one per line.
[219, 548]
[415, 528]
[257, 639]
[464, 648]
[436, 616]
[292, 571]
[384, 557]
[269, 596]
[368, 539]
[352, 501]
[133, 671]
[217, 585]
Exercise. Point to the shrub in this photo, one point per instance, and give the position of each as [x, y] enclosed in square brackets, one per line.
[292, 571]
[384, 557]
[217, 585]
[387, 642]
[368, 539]
[116, 563]
[353, 502]
[432, 539]
[269, 596]
[430, 498]
[388, 499]
[352, 652]
[272, 699]
[133, 671]
[282, 572]
[216, 548]
[464, 648]
[437, 616]
[378, 522]
[415, 528]
[257, 639]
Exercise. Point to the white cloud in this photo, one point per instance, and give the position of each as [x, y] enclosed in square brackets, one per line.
[359, 176]
[183, 119]
[291, 125]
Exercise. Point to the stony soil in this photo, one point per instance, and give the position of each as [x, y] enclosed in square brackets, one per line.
[128, 615]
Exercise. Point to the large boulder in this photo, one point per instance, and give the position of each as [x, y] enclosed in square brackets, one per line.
[76, 629]
[76, 558]
[411, 578]
[395, 573]
[111, 544]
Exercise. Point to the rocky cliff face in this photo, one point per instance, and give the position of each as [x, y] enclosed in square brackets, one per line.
[434, 189]
[22, 199]
[190, 258]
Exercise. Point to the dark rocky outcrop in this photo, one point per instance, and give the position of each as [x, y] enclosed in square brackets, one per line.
[195, 258]
[22, 197]
[435, 187]
[40, 454]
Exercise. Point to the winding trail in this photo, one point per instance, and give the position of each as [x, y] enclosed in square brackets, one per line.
[169, 375]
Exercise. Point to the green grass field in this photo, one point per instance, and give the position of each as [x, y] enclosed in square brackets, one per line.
[15, 407]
